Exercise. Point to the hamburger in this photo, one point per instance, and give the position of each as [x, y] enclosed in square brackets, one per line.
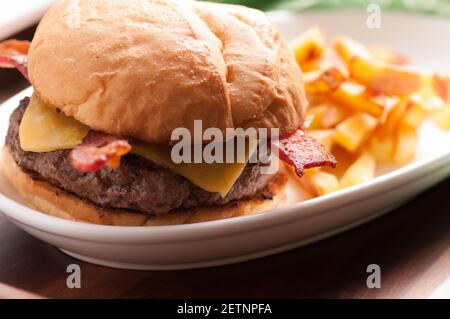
[113, 79]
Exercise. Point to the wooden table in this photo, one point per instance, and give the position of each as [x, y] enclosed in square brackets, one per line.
[411, 245]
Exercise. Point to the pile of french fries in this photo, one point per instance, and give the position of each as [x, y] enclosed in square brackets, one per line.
[366, 105]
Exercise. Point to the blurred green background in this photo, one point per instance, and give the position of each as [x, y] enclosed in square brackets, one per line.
[439, 7]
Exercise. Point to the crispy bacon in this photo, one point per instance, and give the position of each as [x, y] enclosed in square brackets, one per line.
[13, 54]
[302, 152]
[98, 150]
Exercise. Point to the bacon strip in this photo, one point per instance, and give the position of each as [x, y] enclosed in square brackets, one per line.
[98, 150]
[302, 152]
[13, 54]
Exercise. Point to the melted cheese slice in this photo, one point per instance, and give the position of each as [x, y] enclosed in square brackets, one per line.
[44, 129]
[214, 178]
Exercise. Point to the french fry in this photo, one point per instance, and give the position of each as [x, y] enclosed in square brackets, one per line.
[382, 147]
[415, 114]
[334, 115]
[324, 137]
[441, 117]
[393, 118]
[352, 133]
[363, 169]
[309, 46]
[317, 98]
[344, 159]
[429, 102]
[306, 182]
[323, 81]
[383, 78]
[310, 66]
[406, 141]
[354, 96]
[388, 103]
[388, 55]
[319, 183]
[427, 95]
[325, 116]
[315, 115]
[347, 48]
[331, 59]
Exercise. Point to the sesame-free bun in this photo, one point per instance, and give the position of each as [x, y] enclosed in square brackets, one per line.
[142, 68]
[56, 202]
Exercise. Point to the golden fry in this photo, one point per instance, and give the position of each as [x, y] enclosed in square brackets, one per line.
[348, 48]
[324, 137]
[406, 141]
[362, 170]
[315, 115]
[428, 101]
[382, 147]
[310, 66]
[319, 183]
[309, 46]
[323, 81]
[441, 117]
[388, 103]
[352, 133]
[344, 159]
[354, 96]
[334, 115]
[325, 116]
[317, 99]
[393, 118]
[331, 59]
[383, 78]
[415, 114]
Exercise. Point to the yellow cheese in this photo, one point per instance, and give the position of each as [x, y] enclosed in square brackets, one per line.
[214, 178]
[44, 129]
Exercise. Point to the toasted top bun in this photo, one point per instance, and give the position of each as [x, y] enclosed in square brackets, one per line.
[142, 68]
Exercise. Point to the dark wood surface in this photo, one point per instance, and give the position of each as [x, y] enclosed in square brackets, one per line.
[411, 245]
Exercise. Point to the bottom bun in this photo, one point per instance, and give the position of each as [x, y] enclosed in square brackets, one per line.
[59, 203]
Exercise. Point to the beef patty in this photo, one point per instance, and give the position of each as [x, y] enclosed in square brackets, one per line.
[138, 184]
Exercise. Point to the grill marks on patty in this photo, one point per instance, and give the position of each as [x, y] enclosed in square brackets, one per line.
[138, 184]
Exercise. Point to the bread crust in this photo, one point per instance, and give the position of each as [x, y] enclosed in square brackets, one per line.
[141, 69]
[59, 203]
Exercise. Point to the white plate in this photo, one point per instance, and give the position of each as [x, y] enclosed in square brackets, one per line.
[244, 238]
[16, 15]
